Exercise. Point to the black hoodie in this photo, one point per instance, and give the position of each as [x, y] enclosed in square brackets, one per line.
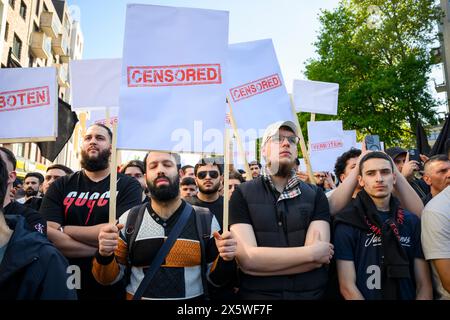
[32, 268]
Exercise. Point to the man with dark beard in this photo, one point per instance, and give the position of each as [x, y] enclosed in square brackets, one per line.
[32, 183]
[77, 206]
[281, 226]
[208, 177]
[134, 245]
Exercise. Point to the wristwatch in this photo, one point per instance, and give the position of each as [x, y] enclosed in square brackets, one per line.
[61, 228]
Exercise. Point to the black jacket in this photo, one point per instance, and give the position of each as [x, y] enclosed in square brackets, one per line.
[32, 268]
[34, 219]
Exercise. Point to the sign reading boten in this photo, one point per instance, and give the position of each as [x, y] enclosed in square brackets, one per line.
[24, 99]
[176, 75]
[255, 87]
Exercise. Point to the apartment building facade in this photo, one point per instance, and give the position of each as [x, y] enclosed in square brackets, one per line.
[40, 33]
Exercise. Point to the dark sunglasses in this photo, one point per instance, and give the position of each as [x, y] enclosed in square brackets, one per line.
[202, 174]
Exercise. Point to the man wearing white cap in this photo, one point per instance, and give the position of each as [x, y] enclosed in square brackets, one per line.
[281, 225]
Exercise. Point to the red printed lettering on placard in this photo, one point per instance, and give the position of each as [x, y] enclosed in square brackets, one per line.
[320, 146]
[176, 75]
[24, 99]
[255, 87]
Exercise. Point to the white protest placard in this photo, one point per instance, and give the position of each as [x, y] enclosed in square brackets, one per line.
[255, 86]
[250, 153]
[349, 139]
[95, 83]
[316, 96]
[28, 104]
[172, 91]
[99, 116]
[302, 165]
[326, 144]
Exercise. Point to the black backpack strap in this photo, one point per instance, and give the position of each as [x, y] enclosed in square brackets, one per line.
[203, 219]
[132, 226]
[163, 251]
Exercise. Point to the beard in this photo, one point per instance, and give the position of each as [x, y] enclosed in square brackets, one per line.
[101, 162]
[284, 169]
[31, 192]
[165, 192]
[213, 189]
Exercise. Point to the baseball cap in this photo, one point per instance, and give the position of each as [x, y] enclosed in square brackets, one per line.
[273, 128]
[394, 152]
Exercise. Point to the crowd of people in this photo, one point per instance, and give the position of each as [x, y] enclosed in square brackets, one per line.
[377, 228]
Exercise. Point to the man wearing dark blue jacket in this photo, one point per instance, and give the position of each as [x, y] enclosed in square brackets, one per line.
[30, 266]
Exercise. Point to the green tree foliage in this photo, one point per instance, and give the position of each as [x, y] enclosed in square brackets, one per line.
[379, 53]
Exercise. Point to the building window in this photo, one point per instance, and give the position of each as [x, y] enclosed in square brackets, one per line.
[17, 46]
[12, 3]
[38, 5]
[6, 31]
[23, 10]
[30, 63]
[35, 26]
[45, 7]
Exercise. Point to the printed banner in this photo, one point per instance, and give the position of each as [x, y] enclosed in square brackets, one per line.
[326, 144]
[99, 116]
[255, 87]
[28, 104]
[172, 93]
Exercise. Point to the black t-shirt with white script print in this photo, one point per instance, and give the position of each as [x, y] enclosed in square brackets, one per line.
[77, 200]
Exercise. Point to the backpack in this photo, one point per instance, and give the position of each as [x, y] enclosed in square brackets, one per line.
[203, 219]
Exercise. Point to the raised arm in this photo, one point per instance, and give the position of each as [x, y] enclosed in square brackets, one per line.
[406, 194]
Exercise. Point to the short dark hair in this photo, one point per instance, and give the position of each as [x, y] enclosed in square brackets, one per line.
[133, 163]
[215, 161]
[254, 162]
[101, 125]
[3, 182]
[341, 161]
[187, 181]
[183, 168]
[10, 156]
[236, 175]
[36, 175]
[375, 155]
[173, 154]
[67, 170]
[435, 158]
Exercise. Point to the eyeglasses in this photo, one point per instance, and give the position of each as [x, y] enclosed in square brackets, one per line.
[279, 139]
[320, 176]
[202, 174]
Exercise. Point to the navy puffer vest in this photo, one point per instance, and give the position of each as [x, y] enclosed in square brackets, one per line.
[283, 224]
